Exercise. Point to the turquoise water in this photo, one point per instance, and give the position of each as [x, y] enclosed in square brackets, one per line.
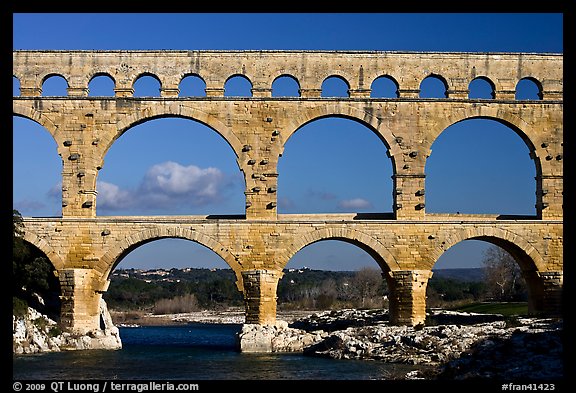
[193, 352]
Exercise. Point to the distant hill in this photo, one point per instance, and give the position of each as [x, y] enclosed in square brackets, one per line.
[462, 274]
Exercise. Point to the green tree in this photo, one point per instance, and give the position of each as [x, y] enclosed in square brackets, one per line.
[34, 279]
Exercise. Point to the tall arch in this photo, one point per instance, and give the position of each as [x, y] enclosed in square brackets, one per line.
[493, 154]
[319, 169]
[37, 169]
[181, 111]
[27, 111]
[178, 176]
[369, 119]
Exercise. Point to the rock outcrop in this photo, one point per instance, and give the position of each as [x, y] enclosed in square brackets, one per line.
[458, 345]
[276, 338]
[38, 333]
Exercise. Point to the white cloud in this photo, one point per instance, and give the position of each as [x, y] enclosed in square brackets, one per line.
[111, 197]
[167, 185]
[356, 203]
[174, 179]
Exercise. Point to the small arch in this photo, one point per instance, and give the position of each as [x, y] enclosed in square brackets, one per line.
[481, 87]
[332, 274]
[285, 86]
[147, 85]
[238, 86]
[381, 255]
[335, 86]
[44, 295]
[384, 86]
[15, 86]
[528, 89]
[43, 246]
[116, 252]
[54, 85]
[433, 86]
[192, 85]
[526, 255]
[101, 85]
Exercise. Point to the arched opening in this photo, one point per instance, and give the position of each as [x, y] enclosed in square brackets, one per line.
[334, 165]
[169, 288]
[54, 86]
[335, 86]
[147, 85]
[36, 183]
[433, 86]
[15, 87]
[332, 274]
[238, 86]
[480, 166]
[480, 275]
[192, 86]
[182, 167]
[481, 87]
[384, 87]
[102, 85]
[285, 86]
[34, 281]
[528, 89]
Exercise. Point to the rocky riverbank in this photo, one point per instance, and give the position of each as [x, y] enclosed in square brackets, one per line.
[459, 346]
[36, 333]
[451, 346]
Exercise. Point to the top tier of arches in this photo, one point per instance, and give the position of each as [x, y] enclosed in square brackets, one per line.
[360, 72]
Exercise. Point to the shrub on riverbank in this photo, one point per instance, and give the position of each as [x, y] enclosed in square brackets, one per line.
[177, 305]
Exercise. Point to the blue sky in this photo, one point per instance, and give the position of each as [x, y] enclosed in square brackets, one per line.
[199, 170]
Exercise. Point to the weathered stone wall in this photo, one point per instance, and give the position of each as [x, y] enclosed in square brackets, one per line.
[257, 128]
[261, 249]
[84, 248]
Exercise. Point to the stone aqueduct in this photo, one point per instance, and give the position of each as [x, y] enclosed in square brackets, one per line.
[84, 247]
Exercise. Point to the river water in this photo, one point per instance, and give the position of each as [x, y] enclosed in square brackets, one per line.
[192, 352]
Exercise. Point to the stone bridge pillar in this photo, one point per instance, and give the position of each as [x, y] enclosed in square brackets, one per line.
[409, 196]
[407, 296]
[80, 312]
[260, 295]
[546, 294]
